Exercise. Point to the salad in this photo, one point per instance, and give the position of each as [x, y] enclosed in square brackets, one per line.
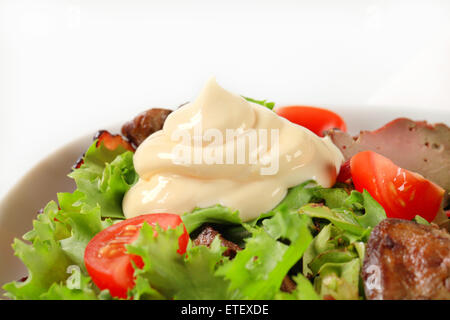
[354, 218]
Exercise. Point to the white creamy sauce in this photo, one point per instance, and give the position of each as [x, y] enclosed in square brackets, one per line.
[168, 185]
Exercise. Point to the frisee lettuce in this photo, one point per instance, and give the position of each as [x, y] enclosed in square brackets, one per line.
[60, 234]
[191, 276]
[84, 224]
[76, 287]
[104, 178]
[258, 271]
[216, 214]
[46, 261]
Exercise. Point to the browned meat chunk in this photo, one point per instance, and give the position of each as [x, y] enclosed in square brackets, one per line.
[414, 145]
[406, 260]
[288, 285]
[144, 125]
[207, 236]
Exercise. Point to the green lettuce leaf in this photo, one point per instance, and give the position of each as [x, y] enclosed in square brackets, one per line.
[76, 287]
[175, 276]
[58, 241]
[318, 245]
[333, 197]
[335, 256]
[295, 198]
[339, 280]
[264, 103]
[343, 219]
[334, 262]
[303, 291]
[60, 234]
[47, 226]
[258, 271]
[358, 213]
[373, 211]
[217, 214]
[46, 261]
[84, 224]
[143, 291]
[105, 177]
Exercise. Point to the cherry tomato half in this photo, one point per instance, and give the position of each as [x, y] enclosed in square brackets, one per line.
[106, 259]
[317, 120]
[403, 194]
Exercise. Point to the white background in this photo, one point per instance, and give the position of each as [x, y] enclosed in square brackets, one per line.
[70, 67]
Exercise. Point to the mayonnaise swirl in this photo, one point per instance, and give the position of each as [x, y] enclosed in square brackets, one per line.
[292, 155]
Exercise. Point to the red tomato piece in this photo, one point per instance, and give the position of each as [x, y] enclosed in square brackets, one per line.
[403, 194]
[317, 120]
[106, 259]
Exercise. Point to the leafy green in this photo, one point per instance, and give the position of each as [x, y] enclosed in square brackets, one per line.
[105, 177]
[58, 241]
[288, 225]
[60, 234]
[46, 261]
[421, 220]
[264, 103]
[343, 219]
[84, 224]
[318, 245]
[303, 291]
[334, 257]
[76, 287]
[334, 262]
[298, 196]
[258, 271]
[374, 212]
[189, 276]
[339, 280]
[333, 197]
[295, 198]
[217, 214]
[358, 215]
[143, 291]
[47, 227]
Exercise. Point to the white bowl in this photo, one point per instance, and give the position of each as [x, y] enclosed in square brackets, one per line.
[36, 188]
